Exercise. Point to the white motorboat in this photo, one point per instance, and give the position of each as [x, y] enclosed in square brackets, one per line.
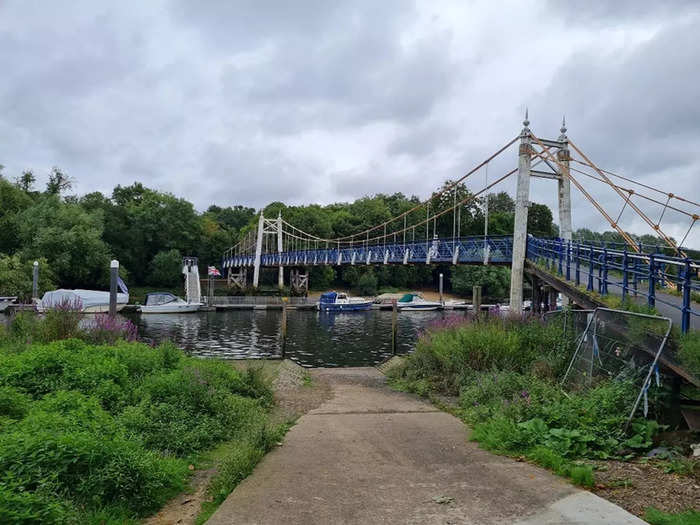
[167, 303]
[87, 301]
[414, 302]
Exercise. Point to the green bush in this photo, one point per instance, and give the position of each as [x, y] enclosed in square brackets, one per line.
[506, 375]
[88, 433]
[367, 284]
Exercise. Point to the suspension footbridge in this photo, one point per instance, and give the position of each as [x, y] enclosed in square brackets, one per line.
[431, 233]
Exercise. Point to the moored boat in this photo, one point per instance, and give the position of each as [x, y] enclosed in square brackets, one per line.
[87, 301]
[414, 302]
[340, 302]
[167, 303]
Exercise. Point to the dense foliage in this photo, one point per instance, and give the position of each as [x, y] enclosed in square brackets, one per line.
[148, 231]
[104, 433]
[505, 374]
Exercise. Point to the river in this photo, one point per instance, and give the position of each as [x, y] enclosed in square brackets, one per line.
[313, 338]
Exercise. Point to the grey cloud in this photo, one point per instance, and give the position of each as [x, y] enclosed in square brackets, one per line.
[249, 102]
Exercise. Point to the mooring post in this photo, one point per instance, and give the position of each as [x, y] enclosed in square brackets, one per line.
[394, 327]
[113, 275]
[35, 280]
[283, 328]
[441, 299]
[476, 299]
[522, 201]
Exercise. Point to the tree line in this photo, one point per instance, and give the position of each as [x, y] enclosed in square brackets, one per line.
[74, 236]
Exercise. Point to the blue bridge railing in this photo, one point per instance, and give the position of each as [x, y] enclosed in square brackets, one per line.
[600, 267]
[445, 250]
[613, 268]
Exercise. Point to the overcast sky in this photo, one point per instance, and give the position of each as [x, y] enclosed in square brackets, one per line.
[247, 102]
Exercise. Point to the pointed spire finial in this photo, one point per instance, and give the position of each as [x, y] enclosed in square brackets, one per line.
[563, 125]
[526, 122]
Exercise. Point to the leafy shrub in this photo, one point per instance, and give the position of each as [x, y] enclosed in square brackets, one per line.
[367, 284]
[62, 320]
[13, 403]
[107, 329]
[85, 430]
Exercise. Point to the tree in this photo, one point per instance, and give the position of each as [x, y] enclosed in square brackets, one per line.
[69, 238]
[58, 182]
[166, 268]
[26, 181]
[367, 284]
[494, 280]
[539, 221]
[16, 276]
[12, 201]
[501, 202]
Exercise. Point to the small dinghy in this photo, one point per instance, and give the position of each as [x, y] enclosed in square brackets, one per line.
[340, 302]
[414, 302]
[167, 303]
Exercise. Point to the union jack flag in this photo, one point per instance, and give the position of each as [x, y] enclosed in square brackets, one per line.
[213, 272]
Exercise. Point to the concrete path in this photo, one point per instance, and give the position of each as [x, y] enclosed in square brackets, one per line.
[371, 455]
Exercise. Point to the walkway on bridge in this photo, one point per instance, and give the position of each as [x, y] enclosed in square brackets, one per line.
[372, 455]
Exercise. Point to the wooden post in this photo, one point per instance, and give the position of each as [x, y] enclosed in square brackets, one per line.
[394, 327]
[35, 280]
[476, 299]
[283, 328]
[441, 299]
[113, 274]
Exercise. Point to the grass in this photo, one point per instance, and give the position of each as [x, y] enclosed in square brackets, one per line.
[657, 517]
[505, 374]
[105, 433]
[235, 460]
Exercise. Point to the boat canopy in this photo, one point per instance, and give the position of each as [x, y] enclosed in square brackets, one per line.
[407, 298]
[328, 297]
[158, 298]
[82, 299]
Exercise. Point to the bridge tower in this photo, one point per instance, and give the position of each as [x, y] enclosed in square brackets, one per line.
[522, 201]
[280, 276]
[564, 184]
[258, 250]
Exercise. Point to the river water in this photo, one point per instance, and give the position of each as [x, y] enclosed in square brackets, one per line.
[313, 338]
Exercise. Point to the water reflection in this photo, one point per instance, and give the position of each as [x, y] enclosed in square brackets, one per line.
[313, 338]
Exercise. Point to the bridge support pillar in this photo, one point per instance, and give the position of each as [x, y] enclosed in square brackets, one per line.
[564, 191]
[299, 282]
[258, 250]
[522, 201]
[553, 294]
[564, 186]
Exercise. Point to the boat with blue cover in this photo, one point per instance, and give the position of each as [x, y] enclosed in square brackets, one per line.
[340, 302]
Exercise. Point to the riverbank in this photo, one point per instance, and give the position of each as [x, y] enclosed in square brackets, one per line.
[295, 393]
[108, 433]
[503, 379]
